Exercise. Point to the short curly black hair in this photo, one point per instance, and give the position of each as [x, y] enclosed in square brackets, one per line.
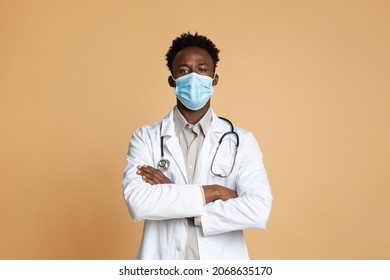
[186, 40]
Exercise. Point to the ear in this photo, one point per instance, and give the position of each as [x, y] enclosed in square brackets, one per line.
[215, 81]
[171, 82]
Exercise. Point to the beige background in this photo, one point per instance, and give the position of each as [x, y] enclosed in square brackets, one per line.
[309, 78]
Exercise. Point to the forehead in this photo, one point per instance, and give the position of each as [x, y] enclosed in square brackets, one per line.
[192, 55]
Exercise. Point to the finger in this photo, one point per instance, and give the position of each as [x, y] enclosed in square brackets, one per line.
[147, 171]
[145, 175]
[143, 170]
[154, 175]
[150, 175]
[147, 180]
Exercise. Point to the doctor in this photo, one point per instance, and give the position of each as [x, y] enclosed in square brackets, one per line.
[194, 178]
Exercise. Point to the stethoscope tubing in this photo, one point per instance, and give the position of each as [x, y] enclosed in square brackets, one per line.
[163, 164]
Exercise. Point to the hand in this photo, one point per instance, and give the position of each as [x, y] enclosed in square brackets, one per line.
[215, 192]
[152, 175]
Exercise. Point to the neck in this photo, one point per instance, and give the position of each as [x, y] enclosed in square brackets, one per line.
[193, 117]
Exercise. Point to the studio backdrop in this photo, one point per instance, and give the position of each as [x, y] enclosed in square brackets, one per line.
[310, 79]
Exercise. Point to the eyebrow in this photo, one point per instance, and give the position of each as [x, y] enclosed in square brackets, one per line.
[199, 64]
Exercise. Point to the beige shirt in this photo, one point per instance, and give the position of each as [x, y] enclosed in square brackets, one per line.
[191, 139]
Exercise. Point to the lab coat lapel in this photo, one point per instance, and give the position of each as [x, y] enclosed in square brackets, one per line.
[172, 144]
[174, 149]
[210, 143]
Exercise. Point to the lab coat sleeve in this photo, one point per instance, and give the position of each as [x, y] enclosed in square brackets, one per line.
[251, 209]
[161, 201]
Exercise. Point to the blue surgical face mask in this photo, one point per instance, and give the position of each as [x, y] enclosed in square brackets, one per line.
[194, 90]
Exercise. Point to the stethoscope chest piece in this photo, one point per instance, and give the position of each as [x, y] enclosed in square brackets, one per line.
[163, 164]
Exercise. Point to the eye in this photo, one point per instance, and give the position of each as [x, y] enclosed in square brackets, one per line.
[184, 71]
[202, 70]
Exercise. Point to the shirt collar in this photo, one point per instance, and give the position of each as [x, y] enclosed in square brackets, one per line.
[180, 122]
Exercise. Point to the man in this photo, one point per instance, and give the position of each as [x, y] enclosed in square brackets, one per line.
[195, 179]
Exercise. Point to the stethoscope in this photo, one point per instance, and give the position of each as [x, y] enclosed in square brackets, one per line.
[163, 164]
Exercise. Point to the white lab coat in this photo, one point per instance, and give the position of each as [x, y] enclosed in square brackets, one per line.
[164, 207]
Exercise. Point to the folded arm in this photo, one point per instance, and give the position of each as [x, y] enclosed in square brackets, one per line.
[251, 208]
[160, 201]
[212, 193]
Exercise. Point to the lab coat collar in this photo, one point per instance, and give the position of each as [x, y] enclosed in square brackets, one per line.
[168, 126]
[217, 127]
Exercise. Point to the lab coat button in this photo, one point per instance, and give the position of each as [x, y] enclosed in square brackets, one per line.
[179, 248]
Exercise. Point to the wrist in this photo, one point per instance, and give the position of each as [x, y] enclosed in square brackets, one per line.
[211, 193]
